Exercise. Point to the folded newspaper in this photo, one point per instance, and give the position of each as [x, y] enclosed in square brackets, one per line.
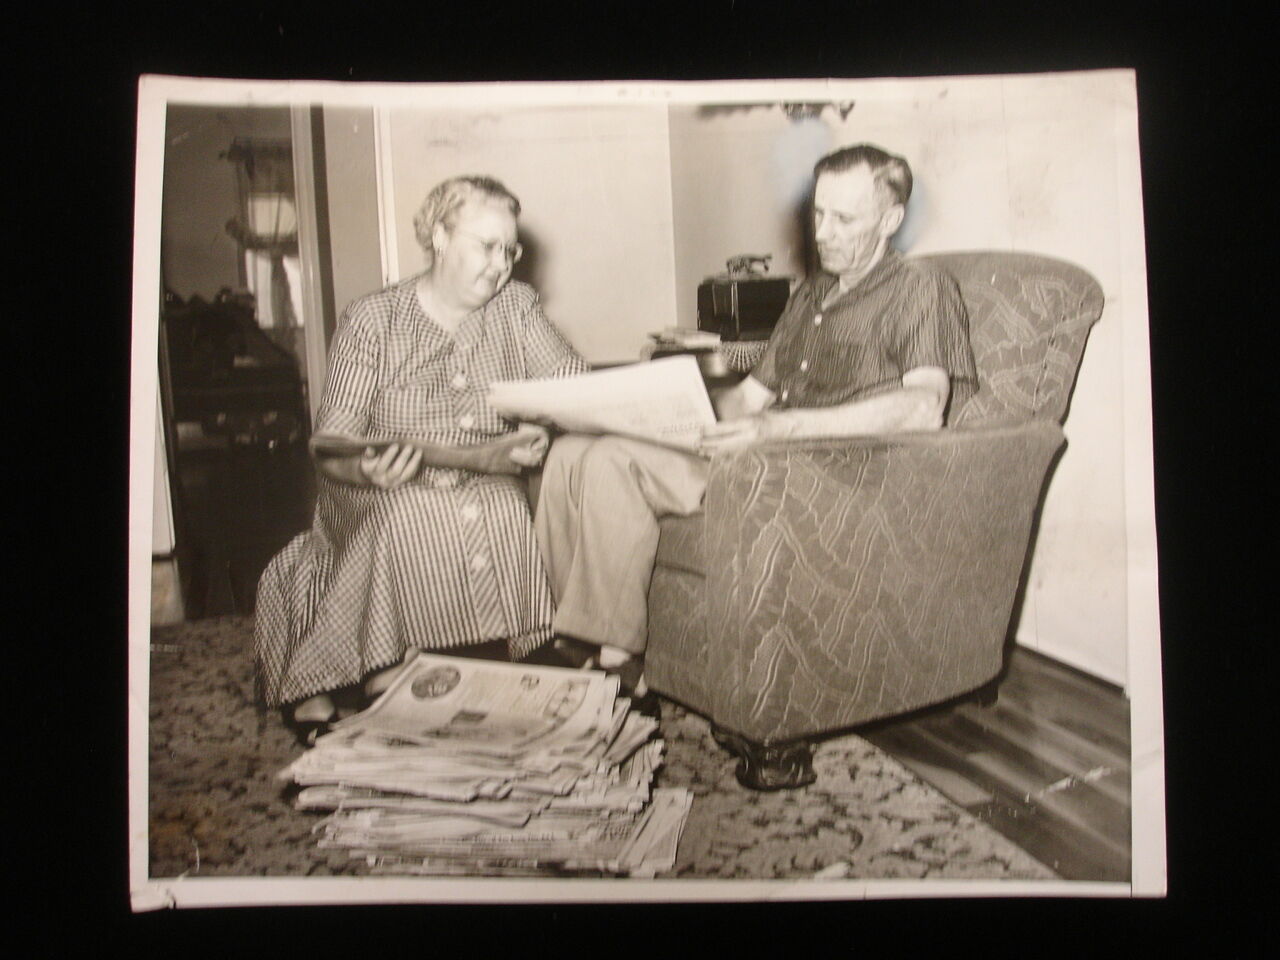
[663, 401]
[336, 445]
[469, 767]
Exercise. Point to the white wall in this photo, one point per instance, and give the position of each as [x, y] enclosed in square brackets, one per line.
[628, 208]
[166, 596]
[738, 181]
[162, 535]
[594, 186]
[1025, 163]
[351, 174]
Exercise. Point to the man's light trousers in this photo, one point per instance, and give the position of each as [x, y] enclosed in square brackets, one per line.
[597, 524]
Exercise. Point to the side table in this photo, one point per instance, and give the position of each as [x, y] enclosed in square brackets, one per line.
[721, 366]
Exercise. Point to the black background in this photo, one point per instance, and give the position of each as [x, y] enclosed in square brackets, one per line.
[1206, 138]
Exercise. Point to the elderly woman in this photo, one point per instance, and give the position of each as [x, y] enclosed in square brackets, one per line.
[425, 543]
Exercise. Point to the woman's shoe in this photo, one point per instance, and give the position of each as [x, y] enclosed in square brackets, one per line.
[306, 731]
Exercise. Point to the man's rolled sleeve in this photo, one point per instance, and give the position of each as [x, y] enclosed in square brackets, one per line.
[766, 371]
[936, 334]
[546, 351]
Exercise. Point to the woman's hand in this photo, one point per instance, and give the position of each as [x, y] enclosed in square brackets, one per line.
[396, 465]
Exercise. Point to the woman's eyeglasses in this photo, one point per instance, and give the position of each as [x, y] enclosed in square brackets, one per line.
[511, 251]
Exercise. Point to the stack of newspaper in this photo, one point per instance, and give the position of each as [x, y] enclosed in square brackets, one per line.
[473, 767]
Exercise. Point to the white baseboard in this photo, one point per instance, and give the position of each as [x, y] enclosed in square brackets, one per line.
[1109, 673]
[166, 593]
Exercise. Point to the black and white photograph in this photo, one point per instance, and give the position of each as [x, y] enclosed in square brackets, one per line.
[642, 491]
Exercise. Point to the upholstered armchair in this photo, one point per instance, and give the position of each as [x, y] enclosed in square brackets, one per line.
[829, 583]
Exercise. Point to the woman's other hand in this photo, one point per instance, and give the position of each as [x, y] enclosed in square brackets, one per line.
[510, 453]
[534, 441]
[396, 465]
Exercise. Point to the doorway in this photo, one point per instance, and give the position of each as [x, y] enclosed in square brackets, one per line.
[241, 347]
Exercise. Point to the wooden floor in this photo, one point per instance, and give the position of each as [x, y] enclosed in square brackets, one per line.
[1046, 764]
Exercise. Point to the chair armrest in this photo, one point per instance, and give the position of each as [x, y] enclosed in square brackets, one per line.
[854, 578]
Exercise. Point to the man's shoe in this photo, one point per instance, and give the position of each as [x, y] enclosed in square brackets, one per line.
[565, 651]
[568, 652]
[649, 705]
[630, 677]
[305, 731]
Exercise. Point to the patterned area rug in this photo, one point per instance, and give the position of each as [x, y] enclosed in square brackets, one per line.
[217, 808]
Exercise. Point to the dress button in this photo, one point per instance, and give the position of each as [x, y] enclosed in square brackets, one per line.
[817, 319]
[459, 381]
[466, 421]
[442, 481]
[804, 365]
[470, 512]
[479, 562]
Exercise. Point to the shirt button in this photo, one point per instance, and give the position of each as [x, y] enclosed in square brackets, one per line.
[817, 319]
[466, 421]
[459, 381]
[479, 562]
[470, 512]
[804, 365]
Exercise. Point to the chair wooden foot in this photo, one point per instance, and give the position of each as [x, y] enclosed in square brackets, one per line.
[784, 766]
[986, 695]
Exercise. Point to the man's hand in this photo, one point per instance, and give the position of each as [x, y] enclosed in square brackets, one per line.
[746, 398]
[729, 404]
[396, 465]
[734, 434]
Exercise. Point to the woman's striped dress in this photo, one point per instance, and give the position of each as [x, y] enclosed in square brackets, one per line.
[445, 560]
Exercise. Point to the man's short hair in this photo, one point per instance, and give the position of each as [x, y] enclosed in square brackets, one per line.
[891, 173]
[443, 202]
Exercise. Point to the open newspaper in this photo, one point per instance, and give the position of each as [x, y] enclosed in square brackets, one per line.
[497, 709]
[473, 767]
[663, 401]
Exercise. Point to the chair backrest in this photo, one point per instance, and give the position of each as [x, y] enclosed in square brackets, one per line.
[1029, 317]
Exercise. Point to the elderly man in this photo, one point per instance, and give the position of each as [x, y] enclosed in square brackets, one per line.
[872, 344]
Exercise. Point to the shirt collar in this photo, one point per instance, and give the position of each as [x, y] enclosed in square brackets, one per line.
[467, 328]
[827, 281]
